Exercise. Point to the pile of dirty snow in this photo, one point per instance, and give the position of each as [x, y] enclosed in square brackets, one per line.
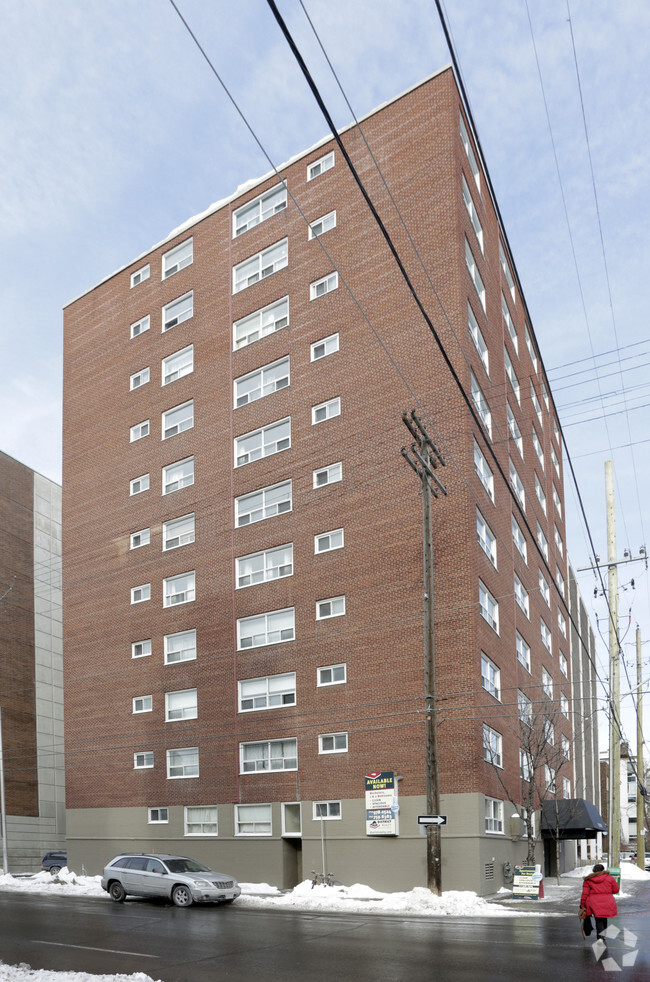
[23, 973]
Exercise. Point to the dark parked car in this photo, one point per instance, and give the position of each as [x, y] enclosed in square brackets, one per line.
[54, 861]
[182, 880]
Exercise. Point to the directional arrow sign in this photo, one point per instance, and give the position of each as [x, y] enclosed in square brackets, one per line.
[432, 819]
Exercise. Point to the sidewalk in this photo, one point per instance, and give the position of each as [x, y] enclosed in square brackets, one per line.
[564, 899]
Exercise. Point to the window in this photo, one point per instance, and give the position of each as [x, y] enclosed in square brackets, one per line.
[328, 475]
[525, 708]
[177, 365]
[473, 214]
[538, 448]
[270, 692]
[493, 815]
[158, 816]
[490, 676]
[486, 477]
[178, 532]
[139, 484]
[566, 787]
[180, 647]
[178, 419]
[177, 258]
[464, 136]
[332, 743]
[142, 704]
[556, 430]
[539, 491]
[547, 683]
[489, 606]
[333, 607]
[478, 339]
[525, 765]
[564, 707]
[140, 378]
[320, 166]
[328, 541]
[486, 537]
[555, 460]
[332, 675]
[320, 349]
[140, 593]
[268, 755]
[535, 402]
[519, 540]
[523, 651]
[262, 382]
[510, 372]
[558, 540]
[264, 442]
[561, 623]
[183, 762]
[181, 705]
[492, 746]
[140, 649]
[260, 266]
[544, 588]
[259, 505]
[514, 430]
[542, 542]
[179, 589]
[531, 347]
[139, 539]
[505, 268]
[259, 567]
[200, 820]
[564, 666]
[549, 779]
[257, 325]
[559, 579]
[326, 410]
[557, 502]
[481, 404]
[139, 327]
[140, 275]
[517, 484]
[545, 396]
[325, 285]
[139, 431]
[549, 732]
[521, 596]
[264, 206]
[512, 332]
[546, 634]
[143, 760]
[326, 810]
[253, 820]
[178, 475]
[472, 269]
[177, 311]
[322, 225]
[271, 628]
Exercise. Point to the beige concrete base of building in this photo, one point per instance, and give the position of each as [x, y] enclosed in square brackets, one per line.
[471, 858]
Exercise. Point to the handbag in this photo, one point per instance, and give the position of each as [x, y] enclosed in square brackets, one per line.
[585, 922]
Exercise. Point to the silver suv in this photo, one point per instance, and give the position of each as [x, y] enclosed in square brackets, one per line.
[178, 878]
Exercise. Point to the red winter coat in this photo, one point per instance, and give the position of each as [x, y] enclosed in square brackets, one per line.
[598, 895]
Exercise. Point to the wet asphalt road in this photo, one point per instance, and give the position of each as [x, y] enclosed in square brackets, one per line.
[198, 944]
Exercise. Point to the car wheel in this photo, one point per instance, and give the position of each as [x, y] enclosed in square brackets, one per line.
[231, 901]
[55, 869]
[116, 892]
[181, 896]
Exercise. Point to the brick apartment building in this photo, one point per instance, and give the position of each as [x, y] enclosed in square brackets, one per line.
[243, 541]
[31, 664]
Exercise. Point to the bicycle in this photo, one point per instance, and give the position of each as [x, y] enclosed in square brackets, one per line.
[324, 879]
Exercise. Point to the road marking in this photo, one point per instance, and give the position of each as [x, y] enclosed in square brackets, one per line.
[109, 951]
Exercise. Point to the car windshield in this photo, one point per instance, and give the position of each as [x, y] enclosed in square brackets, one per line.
[186, 866]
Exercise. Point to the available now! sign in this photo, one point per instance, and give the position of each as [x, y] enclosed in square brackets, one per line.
[381, 803]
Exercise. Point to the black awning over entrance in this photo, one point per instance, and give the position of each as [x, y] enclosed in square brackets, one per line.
[571, 818]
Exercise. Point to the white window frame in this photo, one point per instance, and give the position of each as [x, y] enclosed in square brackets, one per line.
[341, 668]
[512, 375]
[271, 378]
[184, 481]
[330, 607]
[531, 348]
[517, 484]
[561, 623]
[326, 222]
[267, 320]
[157, 816]
[329, 345]
[186, 421]
[320, 166]
[539, 491]
[559, 580]
[266, 510]
[134, 483]
[188, 594]
[505, 268]
[323, 541]
[177, 258]
[542, 541]
[492, 746]
[547, 683]
[140, 326]
[139, 430]
[143, 760]
[140, 594]
[477, 337]
[269, 567]
[185, 305]
[292, 744]
[515, 432]
[524, 708]
[188, 711]
[490, 676]
[536, 405]
[141, 649]
[521, 596]
[269, 629]
[187, 653]
[140, 275]
[333, 472]
[142, 704]
[326, 410]
[326, 811]
[339, 743]
[261, 208]
[182, 362]
[557, 502]
[208, 826]
[525, 765]
[510, 326]
[482, 468]
[139, 539]
[550, 779]
[192, 768]
[259, 825]
[544, 588]
[519, 540]
[486, 538]
[566, 787]
[564, 705]
[469, 151]
[280, 429]
[538, 449]
[545, 633]
[326, 284]
[523, 651]
[475, 276]
[269, 688]
[489, 606]
[138, 379]
[556, 461]
[481, 404]
[261, 265]
[178, 532]
[545, 396]
[470, 207]
[493, 816]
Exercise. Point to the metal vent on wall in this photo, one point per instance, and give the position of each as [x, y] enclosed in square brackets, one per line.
[489, 871]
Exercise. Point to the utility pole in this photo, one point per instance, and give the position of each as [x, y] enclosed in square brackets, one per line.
[640, 769]
[3, 819]
[614, 836]
[424, 458]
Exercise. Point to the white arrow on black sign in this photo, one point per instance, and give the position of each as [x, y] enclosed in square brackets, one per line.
[432, 819]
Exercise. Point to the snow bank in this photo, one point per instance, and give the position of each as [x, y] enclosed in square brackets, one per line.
[23, 973]
[629, 871]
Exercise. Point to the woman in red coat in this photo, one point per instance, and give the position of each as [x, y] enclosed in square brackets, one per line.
[598, 897]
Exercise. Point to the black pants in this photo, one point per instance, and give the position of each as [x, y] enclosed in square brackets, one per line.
[601, 925]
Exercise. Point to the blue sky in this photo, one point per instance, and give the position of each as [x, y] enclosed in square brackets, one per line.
[113, 131]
